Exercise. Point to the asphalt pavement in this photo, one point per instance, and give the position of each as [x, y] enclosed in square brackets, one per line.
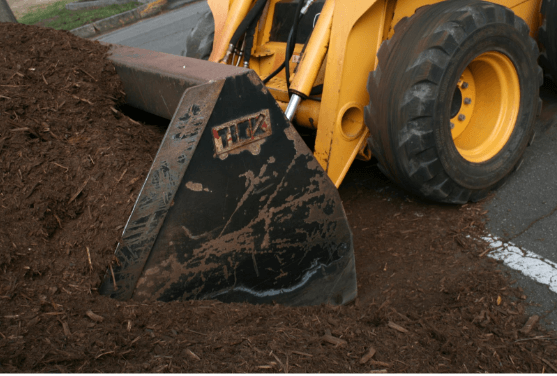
[523, 212]
[164, 33]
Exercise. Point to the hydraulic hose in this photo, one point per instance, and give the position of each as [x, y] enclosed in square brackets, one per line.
[281, 67]
[275, 72]
[247, 21]
[289, 45]
[291, 42]
[248, 41]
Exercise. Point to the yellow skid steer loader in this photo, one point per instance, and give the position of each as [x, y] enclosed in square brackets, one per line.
[444, 94]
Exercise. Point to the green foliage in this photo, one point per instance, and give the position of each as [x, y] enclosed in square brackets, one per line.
[56, 16]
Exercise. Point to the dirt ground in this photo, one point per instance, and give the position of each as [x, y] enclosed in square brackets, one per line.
[71, 166]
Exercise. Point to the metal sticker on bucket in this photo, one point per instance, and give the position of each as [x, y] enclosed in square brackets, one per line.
[246, 133]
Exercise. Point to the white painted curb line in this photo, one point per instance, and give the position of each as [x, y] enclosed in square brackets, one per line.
[528, 263]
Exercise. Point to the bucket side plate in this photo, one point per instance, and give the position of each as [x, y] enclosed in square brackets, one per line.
[235, 208]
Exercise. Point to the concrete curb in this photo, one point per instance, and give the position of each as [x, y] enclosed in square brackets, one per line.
[119, 20]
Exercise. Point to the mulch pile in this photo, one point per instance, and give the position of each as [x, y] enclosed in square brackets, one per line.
[71, 166]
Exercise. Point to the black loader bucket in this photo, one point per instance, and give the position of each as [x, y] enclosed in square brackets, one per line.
[235, 207]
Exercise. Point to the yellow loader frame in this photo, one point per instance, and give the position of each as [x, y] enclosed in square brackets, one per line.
[340, 55]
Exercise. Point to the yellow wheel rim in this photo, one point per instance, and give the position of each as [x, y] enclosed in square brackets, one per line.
[485, 107]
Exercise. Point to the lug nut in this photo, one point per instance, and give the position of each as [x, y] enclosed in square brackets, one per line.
[467, 100]
[452, 125]
[461, 117]
[465, 85]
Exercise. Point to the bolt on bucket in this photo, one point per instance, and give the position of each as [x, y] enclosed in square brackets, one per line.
[235, 206]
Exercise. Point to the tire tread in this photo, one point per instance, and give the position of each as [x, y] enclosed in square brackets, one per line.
[422, 171]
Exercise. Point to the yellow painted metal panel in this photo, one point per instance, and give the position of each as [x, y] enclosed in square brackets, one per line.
[219, 8]
[529, 11]
[307, 114]
[237, 12]
[316, 50]
[353, 46]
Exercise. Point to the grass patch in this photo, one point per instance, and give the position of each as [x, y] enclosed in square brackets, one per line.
[56, 15]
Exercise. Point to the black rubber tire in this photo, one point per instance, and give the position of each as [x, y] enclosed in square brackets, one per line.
[199, 42]
[548, 39]
[410, 96]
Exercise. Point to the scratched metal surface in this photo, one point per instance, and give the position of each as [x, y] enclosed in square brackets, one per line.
[155, 81]
[235, 208]
[157, 193]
